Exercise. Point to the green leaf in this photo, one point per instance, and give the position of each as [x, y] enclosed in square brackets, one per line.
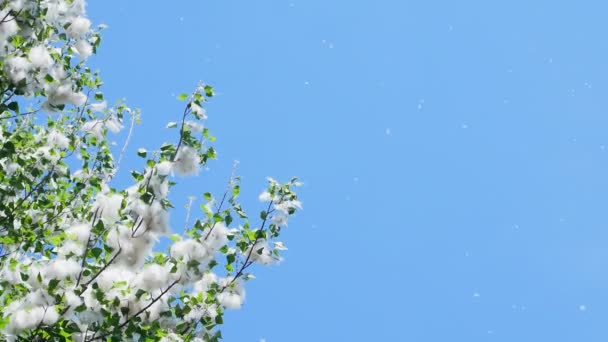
[209, 91]
[53, 285]
[182, 97]
[140, 293]
[96, 252]
[142, 152]
[14, 106]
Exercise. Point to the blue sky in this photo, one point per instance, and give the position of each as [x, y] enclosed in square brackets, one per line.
[454, 154]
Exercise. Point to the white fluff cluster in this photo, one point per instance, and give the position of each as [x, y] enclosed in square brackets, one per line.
[9, 167]
[63, 95]
[187, 161]
[94, 128]
[108, 206]
[198, 111]
[234, 294]
[30, 318]
[63, 12]
[98, 106]
[84, 49]
[7, 29]
[150, 218]
[133, 248]
[40, 57]
[57, 139]
[79, 232]
[61, 269]
[17, 69]
[194, 126]
[38, 306]
[287, 205]
[69, 248]
[164, 168]
[218, 237]
[189, 249]
[282, 210]
[202, 251]
[154, 277]
[78, 27]
[260, 252]
[265, 196]
[113, 124]
[202, 286]
[47, 153]
[159, 185]
[72, 299]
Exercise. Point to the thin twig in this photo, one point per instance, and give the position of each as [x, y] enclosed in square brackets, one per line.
[181, 132]
[124, 147]
[258, 237]
[188, 208]
[102, 269]
[20, 114]
[86, 248]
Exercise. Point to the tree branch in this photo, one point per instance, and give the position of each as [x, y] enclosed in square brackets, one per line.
[258, 237]
[123, 324]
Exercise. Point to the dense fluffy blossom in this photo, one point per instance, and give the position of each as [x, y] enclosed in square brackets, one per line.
[8, 28]
[198, 111]
[233, 295]
[133, 247]
[94, 127]
[79, 232]
[155, 277]
[164, 168]
[108, 206]
[217, 237]
[61, 269]
[194, 126]
[288, 206]
[40, 57]
[187, 161]
[260, 252]
[202, 286]
[30, 318]
[79, 27]
[63, 94]
[113, 124]
[56, 138]
[265, 197]
[84, 49]
[69, 248]
[98, 106]
[188, 250]
[17, 69]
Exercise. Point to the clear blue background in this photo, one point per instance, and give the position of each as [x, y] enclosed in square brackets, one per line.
[454, 154]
